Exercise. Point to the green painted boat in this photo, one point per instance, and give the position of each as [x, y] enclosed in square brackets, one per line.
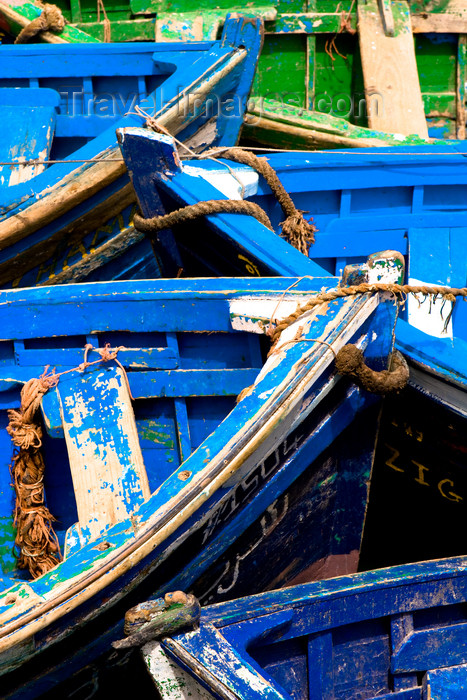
[318, 83]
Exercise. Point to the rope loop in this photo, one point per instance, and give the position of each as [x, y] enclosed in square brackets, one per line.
[350, 362]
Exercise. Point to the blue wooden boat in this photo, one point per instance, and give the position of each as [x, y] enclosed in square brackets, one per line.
[151, 470]
[393, 633]
[349, 195]
[409, 199]
[67, 201]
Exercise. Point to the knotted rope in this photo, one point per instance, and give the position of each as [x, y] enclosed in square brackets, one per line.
[398, 290]
[35, 536]
[51, 19]
[295, 229]
[195, 211]
[106, 21]
[344, 26]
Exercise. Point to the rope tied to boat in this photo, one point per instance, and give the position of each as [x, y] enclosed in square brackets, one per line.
[105, 21]
[295, 228]
[195, 211]
[350, 362]
[36, 539]
[51, 19]
[349, 359]
[35, 536]
[399, 291]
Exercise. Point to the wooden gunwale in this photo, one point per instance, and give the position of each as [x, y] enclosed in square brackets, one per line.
[87, 180]
[308, 136]
[74, 233]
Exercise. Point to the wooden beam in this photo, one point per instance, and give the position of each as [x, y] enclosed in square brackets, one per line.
[461, 77]
[392, 87]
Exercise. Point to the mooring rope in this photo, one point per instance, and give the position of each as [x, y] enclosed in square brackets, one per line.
[295, 229]
[51, 19]
[351, 360]
[398, 290]
[106, 21]
[35, 536]
[194, 211]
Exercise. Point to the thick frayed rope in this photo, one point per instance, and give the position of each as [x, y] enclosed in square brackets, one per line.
[350, 362]
[35, 537]
[295, 229]
[51, 19]
[387, 381]
[398, 290]
[195, 211]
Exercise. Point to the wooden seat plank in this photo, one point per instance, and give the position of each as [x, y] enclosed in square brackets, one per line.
[106, 462]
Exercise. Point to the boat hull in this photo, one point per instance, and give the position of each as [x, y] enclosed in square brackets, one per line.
[267, 443]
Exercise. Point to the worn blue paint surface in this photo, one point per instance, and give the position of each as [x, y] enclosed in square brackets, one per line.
[97, 87]
[407, 199]
[410, 199]
[28, 117]
[385, 633]
[360, 200]
[185, 366]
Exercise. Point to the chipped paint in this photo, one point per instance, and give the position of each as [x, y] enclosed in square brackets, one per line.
[229, 183]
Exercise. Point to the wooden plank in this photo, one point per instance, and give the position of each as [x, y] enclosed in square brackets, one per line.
[392, 87]
[109, 476]
[387, 17]
[181, 414]
[431, 648]
[449, 18]
[320, 667]
[461, 77]
[308, 128]
[132, 358]
[231, 671]
[445, 683]
[28, 117]
[175, 384]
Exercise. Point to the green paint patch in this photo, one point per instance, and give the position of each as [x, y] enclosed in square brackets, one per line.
[153, 432]
[7, 538]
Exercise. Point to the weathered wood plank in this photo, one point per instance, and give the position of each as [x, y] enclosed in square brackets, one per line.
[390, 74]
[445, 683]
[461, 77]
[107, 467]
